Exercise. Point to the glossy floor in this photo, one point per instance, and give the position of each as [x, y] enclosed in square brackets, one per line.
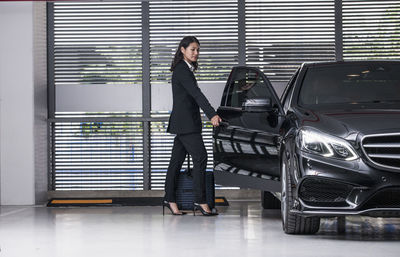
[242, 229]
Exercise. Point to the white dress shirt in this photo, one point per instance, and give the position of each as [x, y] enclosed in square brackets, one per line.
[190, 65]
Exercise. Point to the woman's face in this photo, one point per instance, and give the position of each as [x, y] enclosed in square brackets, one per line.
[191, 53]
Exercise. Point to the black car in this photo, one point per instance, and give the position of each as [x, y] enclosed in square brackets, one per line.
[330, 146]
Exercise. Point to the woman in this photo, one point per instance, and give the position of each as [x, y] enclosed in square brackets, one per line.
[185, 122]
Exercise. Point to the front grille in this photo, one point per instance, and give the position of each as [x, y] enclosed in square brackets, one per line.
[324, 193]
[383, 150]
[385, 198]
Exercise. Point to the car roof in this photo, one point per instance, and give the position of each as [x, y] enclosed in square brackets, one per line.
[317, 64]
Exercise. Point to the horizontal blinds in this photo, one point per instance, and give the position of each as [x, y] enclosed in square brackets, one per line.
[280, 35]
[371, 29]
[108, 155]
[97, 155]
[214, 23]
[97, 43]
[161, 148]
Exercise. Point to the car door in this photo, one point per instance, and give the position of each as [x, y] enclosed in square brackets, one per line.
[246, 143]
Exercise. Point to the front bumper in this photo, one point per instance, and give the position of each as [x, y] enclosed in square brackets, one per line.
[335, 187]
[376, 212]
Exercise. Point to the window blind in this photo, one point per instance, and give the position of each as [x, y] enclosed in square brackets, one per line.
[214, 23]
[371, 29]
[280, 35]
[97, 43]
[96, 155]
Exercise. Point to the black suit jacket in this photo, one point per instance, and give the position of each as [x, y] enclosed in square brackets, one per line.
[187, 98]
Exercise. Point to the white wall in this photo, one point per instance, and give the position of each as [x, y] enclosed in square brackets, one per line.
[16, 104]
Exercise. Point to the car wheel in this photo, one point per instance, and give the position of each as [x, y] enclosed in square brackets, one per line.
[293, 223]
[269, 201]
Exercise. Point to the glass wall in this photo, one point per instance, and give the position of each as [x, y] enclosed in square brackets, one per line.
[109, 80]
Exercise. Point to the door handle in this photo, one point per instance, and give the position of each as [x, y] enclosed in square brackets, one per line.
[224, 123]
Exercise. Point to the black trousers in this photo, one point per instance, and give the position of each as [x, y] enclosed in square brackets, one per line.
[194, 145]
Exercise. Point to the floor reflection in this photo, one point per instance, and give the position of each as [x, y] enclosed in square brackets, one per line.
[359, 228]
[362, 228]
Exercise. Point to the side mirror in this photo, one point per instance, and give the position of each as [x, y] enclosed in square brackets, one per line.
[257, 105]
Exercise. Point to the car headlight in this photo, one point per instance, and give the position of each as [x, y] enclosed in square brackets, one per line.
[316, 142]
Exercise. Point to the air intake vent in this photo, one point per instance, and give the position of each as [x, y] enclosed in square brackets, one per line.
[386, 198]
[383, 150]
[324, 193]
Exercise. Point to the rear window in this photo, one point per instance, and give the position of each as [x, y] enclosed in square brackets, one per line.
[353, 84]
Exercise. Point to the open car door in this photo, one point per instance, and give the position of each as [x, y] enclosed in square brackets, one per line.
[246, 143]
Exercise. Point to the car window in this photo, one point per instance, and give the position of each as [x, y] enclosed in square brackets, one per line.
[353, 84]
[246, 84]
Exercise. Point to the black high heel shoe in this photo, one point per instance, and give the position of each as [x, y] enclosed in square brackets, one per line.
[166, 204]
[197, 206]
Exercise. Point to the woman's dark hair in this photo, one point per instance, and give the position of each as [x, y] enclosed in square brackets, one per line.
[185, 42]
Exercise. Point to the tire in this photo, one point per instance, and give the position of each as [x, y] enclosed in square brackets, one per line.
[269, 201]
[293, 223]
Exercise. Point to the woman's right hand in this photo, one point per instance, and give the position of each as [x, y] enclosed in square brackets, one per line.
[216, 120]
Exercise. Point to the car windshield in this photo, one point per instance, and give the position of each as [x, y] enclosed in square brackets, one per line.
[351, 84]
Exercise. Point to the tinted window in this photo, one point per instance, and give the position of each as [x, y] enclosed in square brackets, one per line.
[246, 84]
[351, 84]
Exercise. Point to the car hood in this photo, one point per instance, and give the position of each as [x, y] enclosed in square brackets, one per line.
[344, 123]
